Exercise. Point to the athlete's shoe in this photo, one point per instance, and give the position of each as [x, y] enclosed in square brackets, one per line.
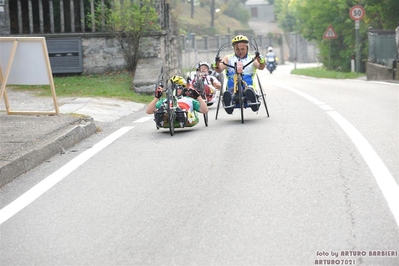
[228, 106]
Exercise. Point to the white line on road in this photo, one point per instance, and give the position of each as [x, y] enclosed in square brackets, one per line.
[24, 200]
[143, 119]
[383, 177]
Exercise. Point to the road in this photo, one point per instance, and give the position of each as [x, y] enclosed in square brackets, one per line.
[316, 181]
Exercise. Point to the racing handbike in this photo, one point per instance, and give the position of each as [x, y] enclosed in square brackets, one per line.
[170, 104]
[240, 85]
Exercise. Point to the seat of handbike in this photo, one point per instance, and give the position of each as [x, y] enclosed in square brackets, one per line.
[191, 121]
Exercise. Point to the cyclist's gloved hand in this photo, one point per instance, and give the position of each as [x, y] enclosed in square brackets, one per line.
[159, 91]
[216, 63]
[193, 93]
[261, 59]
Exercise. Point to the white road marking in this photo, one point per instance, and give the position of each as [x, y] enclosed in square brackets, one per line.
[325, 107]
[35, 192]
[143, 119]
[383, 177]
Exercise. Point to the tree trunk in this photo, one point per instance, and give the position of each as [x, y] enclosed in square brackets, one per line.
[213, 13]
[192, 8]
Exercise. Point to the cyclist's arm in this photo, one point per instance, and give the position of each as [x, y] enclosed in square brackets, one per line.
[215, 82]
[259, 65]
[151, 107]
[220, 67]
[203, 107]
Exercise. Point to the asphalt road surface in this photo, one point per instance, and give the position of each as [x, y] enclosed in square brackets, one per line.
[314, 183]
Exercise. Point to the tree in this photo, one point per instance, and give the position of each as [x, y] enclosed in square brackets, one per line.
[311, 18]
[128, 22]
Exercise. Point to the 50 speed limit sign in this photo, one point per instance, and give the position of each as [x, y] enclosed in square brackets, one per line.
[357, 13]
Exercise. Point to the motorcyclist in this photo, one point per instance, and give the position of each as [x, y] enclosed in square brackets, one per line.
[240, 46]
[188, 101]
[270, 53]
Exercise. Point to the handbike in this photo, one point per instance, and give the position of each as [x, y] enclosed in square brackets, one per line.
[240, 85]
[200, 87]
[174, 116]
[197, 81]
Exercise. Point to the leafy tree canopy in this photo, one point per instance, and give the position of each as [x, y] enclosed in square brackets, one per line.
[311, 18]
[128, 22]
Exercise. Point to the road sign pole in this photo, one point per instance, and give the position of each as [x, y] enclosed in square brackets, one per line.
[357, 47]
[329, 59]
[330, 34]
[357, 13]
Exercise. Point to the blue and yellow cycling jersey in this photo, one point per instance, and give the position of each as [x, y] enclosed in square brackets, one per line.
[248, 72]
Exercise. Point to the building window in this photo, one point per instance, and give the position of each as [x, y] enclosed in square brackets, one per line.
[254, 12]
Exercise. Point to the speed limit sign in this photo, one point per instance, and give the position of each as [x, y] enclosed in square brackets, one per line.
[357, 12]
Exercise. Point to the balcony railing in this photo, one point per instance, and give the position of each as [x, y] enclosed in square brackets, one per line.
[57, 16]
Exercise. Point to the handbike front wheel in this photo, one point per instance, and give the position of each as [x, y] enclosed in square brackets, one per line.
[171, 111]
[241, 101]
[206, 119]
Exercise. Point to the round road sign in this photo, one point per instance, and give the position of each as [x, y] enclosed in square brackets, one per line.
[357, 12]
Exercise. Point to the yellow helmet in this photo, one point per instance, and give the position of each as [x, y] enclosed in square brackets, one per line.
[239, 38]
[179, 80]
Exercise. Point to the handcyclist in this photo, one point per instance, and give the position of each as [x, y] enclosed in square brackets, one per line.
[240, 45]
[210, 80]
[188, 101]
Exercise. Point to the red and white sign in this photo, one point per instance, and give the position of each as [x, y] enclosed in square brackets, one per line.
[330, 33]
[357, 12]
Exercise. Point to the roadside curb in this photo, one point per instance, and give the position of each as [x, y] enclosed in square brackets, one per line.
[69, 136]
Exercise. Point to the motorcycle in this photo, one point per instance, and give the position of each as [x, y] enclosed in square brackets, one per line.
[270, 63]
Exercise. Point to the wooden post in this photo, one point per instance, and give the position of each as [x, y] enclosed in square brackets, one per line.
[30, 16]
[41, 22]
[82, 16]
[51, 10]
[20, 28]
[93, 23]
[72, 15]
[62, 20]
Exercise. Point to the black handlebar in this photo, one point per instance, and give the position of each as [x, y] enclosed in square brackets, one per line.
[235, 64]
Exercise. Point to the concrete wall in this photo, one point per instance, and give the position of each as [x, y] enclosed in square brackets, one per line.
[302, 50]
[379, 72]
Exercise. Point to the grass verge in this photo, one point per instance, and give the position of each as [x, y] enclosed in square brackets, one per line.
[116, 85]
[319, 72]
